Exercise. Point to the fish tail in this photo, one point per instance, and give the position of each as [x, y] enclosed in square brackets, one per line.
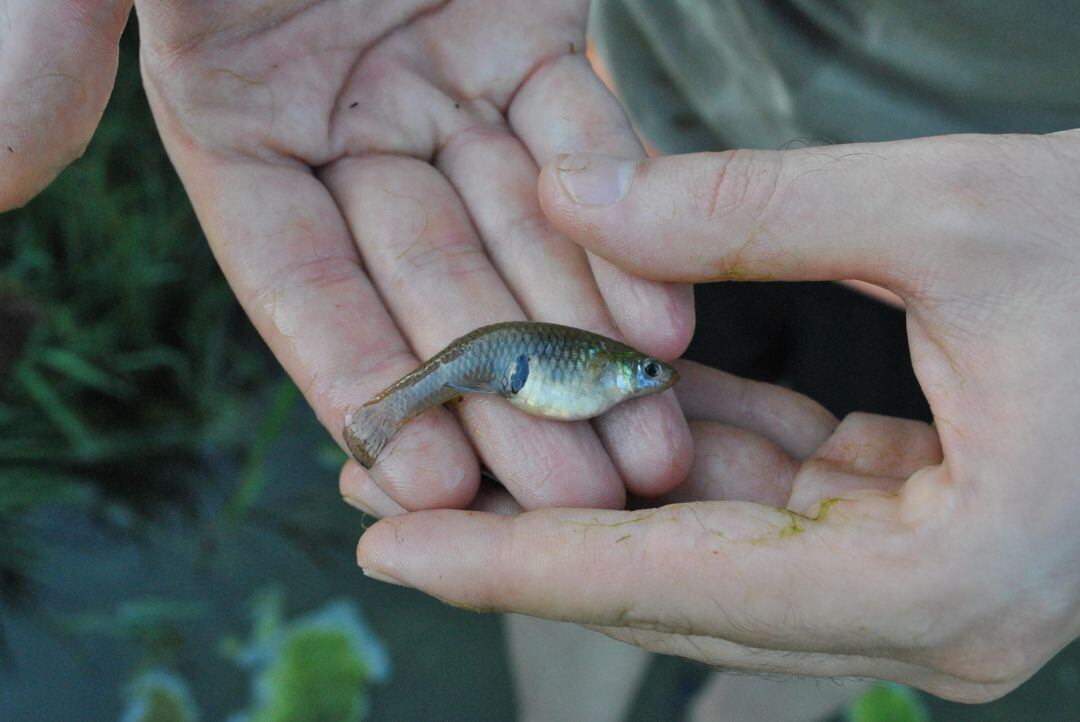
[368, 429]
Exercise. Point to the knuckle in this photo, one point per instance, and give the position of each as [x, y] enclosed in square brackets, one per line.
[319, 272]
[729, 182]
[739, 189]
[454, 254]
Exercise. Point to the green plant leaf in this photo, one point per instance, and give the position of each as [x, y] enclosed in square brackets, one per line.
[888, 703]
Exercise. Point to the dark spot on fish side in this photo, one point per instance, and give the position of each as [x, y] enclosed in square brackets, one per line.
[573, 47]
[521, 374]
[10, 149]
[457, 106]
[354, 104]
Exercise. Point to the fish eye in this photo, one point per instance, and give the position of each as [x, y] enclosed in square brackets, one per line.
[652, 369]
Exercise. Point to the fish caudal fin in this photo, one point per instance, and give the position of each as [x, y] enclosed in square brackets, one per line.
[367, 431]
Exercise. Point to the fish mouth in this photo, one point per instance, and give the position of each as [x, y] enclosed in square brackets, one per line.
[671, 379]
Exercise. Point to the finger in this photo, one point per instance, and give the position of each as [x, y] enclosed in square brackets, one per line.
[880, 446]
[57, 68]
[565, 107]
[358, 489]
[430, 268]
[795, 423]
[719, 569]
[284, 248]
[732, 464]
[869, 211]
[866, 451]
[648, 440]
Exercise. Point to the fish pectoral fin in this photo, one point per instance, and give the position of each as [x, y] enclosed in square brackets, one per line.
[486, 387]
[493, 386]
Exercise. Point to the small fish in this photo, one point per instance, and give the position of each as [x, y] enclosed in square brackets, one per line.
[548, 370]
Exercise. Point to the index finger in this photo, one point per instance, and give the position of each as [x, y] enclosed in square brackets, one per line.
[751, 574]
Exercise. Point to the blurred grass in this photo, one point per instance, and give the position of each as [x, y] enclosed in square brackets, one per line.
[128, 372]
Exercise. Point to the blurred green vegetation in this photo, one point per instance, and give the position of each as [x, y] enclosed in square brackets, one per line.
[318, 667]
[888, 703]
[128, 372]
[160, 696]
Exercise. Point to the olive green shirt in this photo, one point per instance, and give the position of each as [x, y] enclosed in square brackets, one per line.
[707, 74]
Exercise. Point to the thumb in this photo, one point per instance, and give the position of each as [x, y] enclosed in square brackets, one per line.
[869, 212]
[57, 67]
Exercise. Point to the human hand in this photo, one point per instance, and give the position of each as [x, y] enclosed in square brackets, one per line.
[941, 556]
[57, 68]
[366, 175]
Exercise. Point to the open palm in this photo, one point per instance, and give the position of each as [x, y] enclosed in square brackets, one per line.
[366, 175]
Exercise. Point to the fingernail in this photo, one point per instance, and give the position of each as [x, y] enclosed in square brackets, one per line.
[381, 577]
[595, 180]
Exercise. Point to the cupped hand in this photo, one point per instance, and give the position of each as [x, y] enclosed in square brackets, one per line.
[944, 555]
[366, 175]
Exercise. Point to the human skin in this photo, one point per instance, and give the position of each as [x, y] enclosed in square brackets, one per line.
[943, 556]
[366, 176]
[57, 67]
